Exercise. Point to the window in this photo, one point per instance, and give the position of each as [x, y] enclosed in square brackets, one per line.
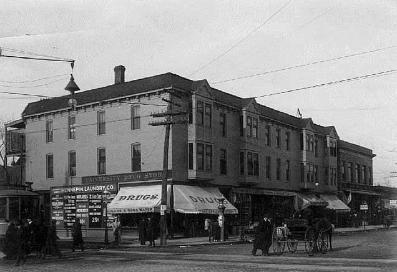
[101, 128]
[242, 161]
[310, 173]
[136, 157]
[254, 127]
[135, 117]
[222, 123]
[200, 113]
[278, 169]
[287, 170]
[369, 175]
[326, 175]
[190, 116]
[364, 174]
[307, 142]
[278, 138]
[250, 164]
[302, 172]
[268, 167]
[249, 126]
[358, 179]
[241, 125]
[350, 171]
[287, 139]
[316, 173]
[342, 170]
[72, 163]
[316, 147]
[311, 143]
[223, 162]
[190, 155]
[208, 157]
[49, 131]
[255, 162]
[200, 156]
[101, 161]
[267, 136]
[71, 127]
[50, 166]
[208, 115]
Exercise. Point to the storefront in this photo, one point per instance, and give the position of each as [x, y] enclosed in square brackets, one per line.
[86, 202]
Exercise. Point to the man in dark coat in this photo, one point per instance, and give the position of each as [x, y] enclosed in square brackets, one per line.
[259, 240]
[51, 245]
[268, 235]
[10, 248]
[150, 232]
[77, 235]
[23, 238]
[142, 226]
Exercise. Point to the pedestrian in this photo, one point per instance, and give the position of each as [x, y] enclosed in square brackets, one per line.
[10, 248]
[51, 245]
[259, 240]
[150, 232]
[268, 233]
[77, 235]
[23, 238]
[142, 227]
[116, 231]
[208, 227]
[41, 238]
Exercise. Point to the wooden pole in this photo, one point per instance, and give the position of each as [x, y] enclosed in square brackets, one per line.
[163, 218]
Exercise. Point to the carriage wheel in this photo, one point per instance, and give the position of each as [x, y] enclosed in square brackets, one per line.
[310, 241]
[292, 245]
[322, 242]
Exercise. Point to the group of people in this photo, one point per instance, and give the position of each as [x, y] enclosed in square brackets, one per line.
[26, 236]
[148, 231]
[263, 236]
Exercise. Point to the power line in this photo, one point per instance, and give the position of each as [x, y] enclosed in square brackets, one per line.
[29, 87]
[24, 94]
[32, 53]
[33, 80]
[304, 65]
[384, 73]
[242, 39]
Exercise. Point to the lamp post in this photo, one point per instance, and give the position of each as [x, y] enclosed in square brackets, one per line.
[221, 218]
[106, 193]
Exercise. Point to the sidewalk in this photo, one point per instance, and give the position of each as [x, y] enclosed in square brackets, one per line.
[131, 241]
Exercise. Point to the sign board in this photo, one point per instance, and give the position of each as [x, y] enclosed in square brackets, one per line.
[128, 177]
[393, 203]
[364, 207]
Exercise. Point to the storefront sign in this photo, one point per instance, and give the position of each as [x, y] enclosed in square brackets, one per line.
[138, 176]
[85, 189]
[393, 203]
[364, 207]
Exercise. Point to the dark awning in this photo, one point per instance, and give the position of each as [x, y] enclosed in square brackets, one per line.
[16, 192]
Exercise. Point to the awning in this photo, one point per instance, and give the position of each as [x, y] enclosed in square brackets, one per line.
[187, 199]
[260, 191]
[205, 200]
[17, 192]
[138, 199]
[306, 200]
[334, 203]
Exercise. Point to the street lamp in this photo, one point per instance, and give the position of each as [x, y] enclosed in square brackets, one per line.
[106, 193]
[221, 218]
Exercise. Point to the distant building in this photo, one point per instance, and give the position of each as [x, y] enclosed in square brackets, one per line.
[262, 160]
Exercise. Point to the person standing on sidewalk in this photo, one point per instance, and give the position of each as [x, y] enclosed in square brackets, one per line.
[22, 242]
[77, 235]
[51, 245]
[142, 231]
[150, 231]
[259, 240]
[116, 231]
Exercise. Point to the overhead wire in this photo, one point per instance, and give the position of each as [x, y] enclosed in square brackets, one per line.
[305, 65]
[32, 80]
[383, 73]
[242, 39]
[33, 86]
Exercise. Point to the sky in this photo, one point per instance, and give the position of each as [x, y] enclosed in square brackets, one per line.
[218, 41]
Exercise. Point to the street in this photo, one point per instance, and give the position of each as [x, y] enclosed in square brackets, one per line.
[367, 251]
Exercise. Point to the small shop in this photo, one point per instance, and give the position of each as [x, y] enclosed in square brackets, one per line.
[86, 202]
[187, 206]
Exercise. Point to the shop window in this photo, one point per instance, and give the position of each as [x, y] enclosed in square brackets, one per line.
[101, 125]
[136, 157]
[49, 131]
[101, 161]
[136, 117]
[50, 166]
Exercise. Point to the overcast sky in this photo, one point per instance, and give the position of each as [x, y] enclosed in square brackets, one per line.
[220, 40]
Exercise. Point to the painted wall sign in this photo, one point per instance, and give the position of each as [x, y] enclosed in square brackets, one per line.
[138, 176]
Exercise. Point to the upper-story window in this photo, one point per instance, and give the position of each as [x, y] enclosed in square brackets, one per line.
[315, 173]
[135, 117]
[136, 157]
[204, 157]
[222, 123]
[357, 171]
[241, 125]
[254, 127]
[364, 173]
[278, 169]
[342, 170]
[268, 136]
[72, 163]
[190, 110]
[200, 113]
[268, 167]
[332, 148]
[223, 162]
[208, 157]
[208, 115]
[278, 138]
[249, 126]
[50, 166]
[49, 131]
[316, 147]
[71, 127]
[242, 162]
[101, 161]
[369, 175]
[350, 172]
[101, 124]
[252, 164]
[287, 170]
[311, 143]
[287, 140]
[190, 155]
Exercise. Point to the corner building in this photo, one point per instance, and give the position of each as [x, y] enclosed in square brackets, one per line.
[260, 159]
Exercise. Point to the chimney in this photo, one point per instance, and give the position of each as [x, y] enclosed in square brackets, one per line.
[119, 74]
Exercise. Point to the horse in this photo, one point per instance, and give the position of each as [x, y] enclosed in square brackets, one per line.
[324, 225]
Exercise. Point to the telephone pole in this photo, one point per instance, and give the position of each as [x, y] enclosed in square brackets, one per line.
[168, 122]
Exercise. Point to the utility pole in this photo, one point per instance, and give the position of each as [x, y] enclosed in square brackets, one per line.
[168, 122]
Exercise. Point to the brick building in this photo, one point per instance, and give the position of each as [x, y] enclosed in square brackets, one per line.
[261, 160]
